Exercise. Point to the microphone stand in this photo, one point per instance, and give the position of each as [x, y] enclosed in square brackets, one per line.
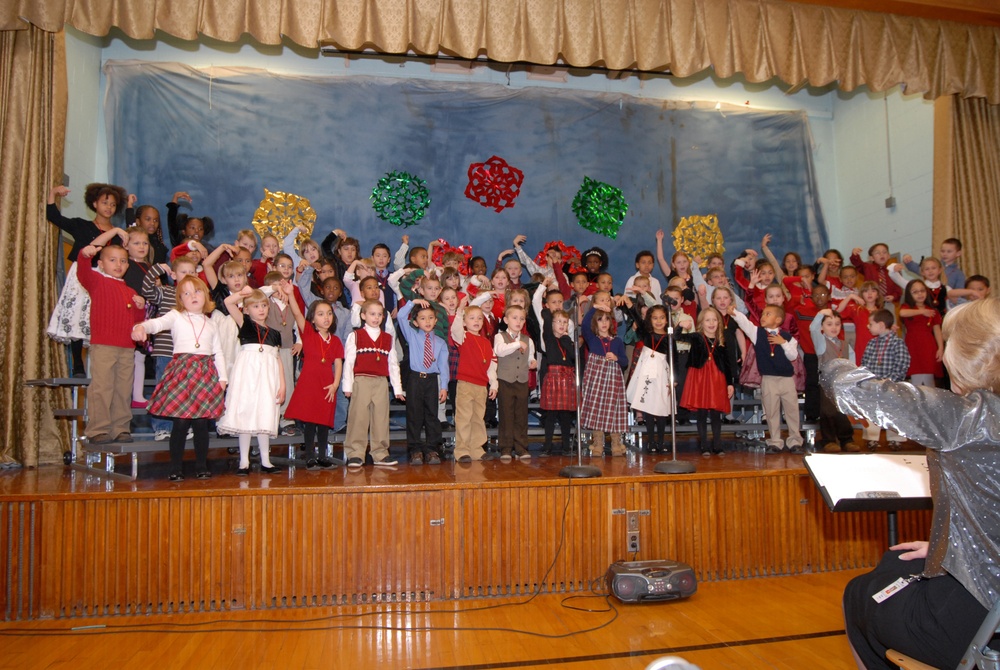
[578, 471]
[673, 466]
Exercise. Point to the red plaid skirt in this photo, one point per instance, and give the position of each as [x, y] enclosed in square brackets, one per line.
[603, 405]
[559, 389]
[189, 389]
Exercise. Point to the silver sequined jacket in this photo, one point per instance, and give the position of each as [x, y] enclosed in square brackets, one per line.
[962, 434]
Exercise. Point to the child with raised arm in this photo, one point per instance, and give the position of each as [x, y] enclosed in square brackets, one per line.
[559, 395]
[70, 322]
[114, 310]
[775, 350]
[194, 382]
[710, 379]
[370, 366]
[314, 400]
[185, 227]
[875, 270]
[477, 381]
[257, 384]
[427, 383]
[515, 354]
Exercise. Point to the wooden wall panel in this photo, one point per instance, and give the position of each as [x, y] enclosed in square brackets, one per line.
[128, 555]
[19, 553]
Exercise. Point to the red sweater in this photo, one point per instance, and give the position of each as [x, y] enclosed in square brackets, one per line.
[474, 359]
[873, 272]
[112, 311]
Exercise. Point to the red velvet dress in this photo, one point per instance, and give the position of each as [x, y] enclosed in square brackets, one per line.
[922, 345]
[309, 401]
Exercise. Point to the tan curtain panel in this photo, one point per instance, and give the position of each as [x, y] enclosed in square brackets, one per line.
[763, 39]
[967, 194]
[32, 123]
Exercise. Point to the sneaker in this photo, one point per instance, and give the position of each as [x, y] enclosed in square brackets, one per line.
[312, 463]
[465, 459]
[504, 458]
[524, 457]
[706, 454]
[488, 456]
[433, 459]
[325, 463]
[175, 477]
[871, 445]
[354, 462]
[203, 474]
[161, 435]
[417, 459]
[124, 438]
[387, 461]
[895, 446]
[290, 431]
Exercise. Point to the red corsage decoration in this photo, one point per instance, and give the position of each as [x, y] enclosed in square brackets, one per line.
[570, 254]
[444, 247]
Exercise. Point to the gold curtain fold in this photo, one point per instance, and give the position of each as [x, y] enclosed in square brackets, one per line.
[763, 39]
[32, 126]
[967, 190]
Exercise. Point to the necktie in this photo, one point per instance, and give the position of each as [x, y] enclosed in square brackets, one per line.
[882, 284]
[428, 352]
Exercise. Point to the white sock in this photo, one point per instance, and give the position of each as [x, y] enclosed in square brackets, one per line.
[264, 444]
[244, 441]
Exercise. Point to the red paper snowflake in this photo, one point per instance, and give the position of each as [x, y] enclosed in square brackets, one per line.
[494, 183]
[444, 247]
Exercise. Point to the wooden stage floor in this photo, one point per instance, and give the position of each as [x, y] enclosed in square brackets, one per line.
[787, 623]
[81, 546]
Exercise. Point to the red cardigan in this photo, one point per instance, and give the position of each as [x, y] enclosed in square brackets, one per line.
[113, 314]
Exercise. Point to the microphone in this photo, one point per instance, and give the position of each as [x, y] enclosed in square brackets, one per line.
[667, 300]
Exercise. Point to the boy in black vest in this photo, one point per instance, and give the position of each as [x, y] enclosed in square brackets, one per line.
[775, 349]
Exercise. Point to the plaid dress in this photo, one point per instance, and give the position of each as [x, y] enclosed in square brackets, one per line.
[559, 389]
[189, 389]
[604, 405]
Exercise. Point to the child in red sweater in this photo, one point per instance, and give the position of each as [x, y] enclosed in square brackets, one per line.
[477, 381]
[114, 310]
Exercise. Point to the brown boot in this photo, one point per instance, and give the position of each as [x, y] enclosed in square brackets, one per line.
[597, 444]
[617, 448]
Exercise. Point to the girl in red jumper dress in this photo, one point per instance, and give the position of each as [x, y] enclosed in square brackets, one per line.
[923, 334]
[314, 400]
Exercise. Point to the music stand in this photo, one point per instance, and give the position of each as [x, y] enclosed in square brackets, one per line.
[578, 471]
[673, 466]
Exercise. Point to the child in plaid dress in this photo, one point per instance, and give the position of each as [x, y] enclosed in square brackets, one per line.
[603, 409]
[194, 382]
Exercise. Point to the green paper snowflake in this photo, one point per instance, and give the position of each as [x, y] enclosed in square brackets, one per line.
[600, 207]
[400, 198]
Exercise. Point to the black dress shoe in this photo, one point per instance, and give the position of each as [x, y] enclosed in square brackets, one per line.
[312, 463]
[203, 474]
[269, 470]
[175, 477]
[242, 472]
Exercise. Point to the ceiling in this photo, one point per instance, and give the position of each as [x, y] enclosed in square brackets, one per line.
[983, 12]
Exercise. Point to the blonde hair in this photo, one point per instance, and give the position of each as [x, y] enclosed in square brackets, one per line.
[972, 345]
[248, 232]
[199, 285]
[232, 268]
[255, 297]
[139, 230]
[720, 329]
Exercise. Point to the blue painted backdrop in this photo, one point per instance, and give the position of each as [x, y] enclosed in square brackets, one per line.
[226, 137]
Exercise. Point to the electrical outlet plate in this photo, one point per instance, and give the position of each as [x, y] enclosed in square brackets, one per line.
[632, 520]
[632, 542]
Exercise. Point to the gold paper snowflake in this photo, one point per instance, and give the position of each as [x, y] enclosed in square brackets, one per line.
[699, 236]
[278, 213]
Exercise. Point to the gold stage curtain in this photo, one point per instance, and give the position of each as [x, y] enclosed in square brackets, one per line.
[763, 39]
[32, 127]
[967, 188]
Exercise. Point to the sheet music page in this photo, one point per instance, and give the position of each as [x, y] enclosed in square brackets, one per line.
[847, 475]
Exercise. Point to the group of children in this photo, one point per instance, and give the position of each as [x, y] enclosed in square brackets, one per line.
[314, 335]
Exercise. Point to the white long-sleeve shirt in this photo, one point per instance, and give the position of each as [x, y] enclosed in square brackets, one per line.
[192, 334]
[351, 353]
[790, 347]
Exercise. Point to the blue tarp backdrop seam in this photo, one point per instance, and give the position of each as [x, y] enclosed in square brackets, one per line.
[225, 134]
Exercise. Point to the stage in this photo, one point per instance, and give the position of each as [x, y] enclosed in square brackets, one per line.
[77, 544]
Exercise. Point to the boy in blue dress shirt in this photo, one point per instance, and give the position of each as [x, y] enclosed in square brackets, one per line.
[427, 385]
